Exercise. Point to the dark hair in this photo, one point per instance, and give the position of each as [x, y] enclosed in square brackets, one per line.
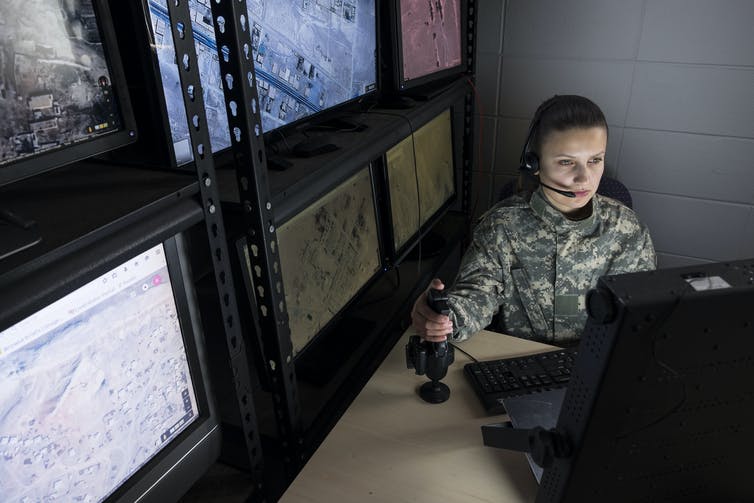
[563, 112]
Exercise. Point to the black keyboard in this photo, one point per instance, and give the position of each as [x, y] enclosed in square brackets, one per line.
[494, 380]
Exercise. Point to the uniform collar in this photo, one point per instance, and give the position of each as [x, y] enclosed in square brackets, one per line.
[551, 215]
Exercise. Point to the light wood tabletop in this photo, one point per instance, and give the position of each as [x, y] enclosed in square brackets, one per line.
[391, 446]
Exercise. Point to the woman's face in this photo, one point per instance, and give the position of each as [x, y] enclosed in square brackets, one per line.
[573, 160]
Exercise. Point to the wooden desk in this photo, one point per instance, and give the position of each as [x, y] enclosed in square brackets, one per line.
[391, 446]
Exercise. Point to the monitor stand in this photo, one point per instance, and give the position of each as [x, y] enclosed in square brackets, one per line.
[314, 145]
[543, 445]
[17, 233]
[337, 124]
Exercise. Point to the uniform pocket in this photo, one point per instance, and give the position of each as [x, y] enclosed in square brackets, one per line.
[531, 306]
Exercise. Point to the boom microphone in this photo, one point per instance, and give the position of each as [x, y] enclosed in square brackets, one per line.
[562, 192]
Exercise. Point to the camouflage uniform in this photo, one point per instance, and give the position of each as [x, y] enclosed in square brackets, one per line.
[535, 265]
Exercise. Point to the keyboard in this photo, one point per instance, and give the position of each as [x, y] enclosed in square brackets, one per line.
[494, 380]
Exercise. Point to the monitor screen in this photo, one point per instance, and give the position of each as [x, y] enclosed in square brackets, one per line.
[309, 56]
[420, 173]
[95, 385]
[430, 40]
[328, 253]
[62, 92]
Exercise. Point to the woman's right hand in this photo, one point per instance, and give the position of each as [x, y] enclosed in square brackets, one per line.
[431, 326]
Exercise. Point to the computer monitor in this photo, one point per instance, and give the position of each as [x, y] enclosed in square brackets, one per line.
[104, 394]
[428, 41]
[63, 95]
[659, 406]
[309, 57]
[328, 253]
[420, 180]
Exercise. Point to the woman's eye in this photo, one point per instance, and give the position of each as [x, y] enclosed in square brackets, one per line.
[564, 162]
[596, 160]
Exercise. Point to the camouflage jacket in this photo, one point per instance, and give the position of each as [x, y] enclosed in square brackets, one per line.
[535, 266]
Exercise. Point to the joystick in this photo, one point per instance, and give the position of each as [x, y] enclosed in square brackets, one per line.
[432, 358]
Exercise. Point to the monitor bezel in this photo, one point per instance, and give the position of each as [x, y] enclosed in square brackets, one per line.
[397, 255]
[224, 157]
[174, 468]
[66, 154]
[406, 86]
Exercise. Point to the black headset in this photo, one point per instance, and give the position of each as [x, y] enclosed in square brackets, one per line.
[529, 161]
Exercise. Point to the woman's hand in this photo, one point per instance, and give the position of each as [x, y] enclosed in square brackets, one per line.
[431, 326]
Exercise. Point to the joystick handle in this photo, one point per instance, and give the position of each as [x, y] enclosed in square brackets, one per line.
[438, 301]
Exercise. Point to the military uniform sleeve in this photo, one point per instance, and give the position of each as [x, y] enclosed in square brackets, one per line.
[646, 259]
[475, 295]
[639, 253]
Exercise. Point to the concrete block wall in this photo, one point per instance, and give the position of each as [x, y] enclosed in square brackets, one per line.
[675, 79]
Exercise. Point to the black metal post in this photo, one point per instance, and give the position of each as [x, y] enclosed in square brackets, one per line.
[180, 22]
[235, 53]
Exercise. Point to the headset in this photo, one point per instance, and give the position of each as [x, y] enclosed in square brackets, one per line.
[529, 161]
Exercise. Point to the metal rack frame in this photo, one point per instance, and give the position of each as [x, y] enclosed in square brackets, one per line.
[232, 32]
[181, 28]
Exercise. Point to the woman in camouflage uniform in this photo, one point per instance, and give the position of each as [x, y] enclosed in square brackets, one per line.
[535, 255]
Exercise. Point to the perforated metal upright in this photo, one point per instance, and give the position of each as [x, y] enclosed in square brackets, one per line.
[468, 119]
[180, 22]
[232, 30]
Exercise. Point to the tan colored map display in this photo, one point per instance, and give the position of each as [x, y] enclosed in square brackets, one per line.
[327, 253]
[434, 164]
[434, 170]
[404, 204]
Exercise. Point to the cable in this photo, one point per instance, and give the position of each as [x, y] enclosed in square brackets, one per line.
[416, 179]
[655, 327]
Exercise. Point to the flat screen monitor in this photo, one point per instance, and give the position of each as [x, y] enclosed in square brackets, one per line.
[428, 40]
[659, 406]
[329, 251]
[103, 395]
[310, 56]
[421, 181]
[62, 91]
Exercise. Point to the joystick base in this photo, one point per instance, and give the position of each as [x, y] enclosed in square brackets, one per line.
[434, 392]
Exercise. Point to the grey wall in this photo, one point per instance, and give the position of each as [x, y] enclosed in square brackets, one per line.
[675, 79]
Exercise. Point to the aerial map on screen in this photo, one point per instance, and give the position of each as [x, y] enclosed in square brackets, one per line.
[309, 55]
[327, 253]
[55, 85]
[93, 386]
[430, 35]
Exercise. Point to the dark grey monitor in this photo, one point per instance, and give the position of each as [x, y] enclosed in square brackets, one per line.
[63, 95]
[659, 406]
[105, 395]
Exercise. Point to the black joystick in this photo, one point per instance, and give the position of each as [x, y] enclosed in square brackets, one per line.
[431, 358]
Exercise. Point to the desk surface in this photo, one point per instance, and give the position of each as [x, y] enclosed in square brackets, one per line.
[391, 446]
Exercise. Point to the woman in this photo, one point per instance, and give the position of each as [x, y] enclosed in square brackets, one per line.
[535, 255]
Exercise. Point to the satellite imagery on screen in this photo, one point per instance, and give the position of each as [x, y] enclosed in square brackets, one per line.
[431, 36]
[55, 85]
[309, 55]
[327, 253]
[93, 386]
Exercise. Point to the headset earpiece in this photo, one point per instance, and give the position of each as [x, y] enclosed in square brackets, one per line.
[531, 163]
